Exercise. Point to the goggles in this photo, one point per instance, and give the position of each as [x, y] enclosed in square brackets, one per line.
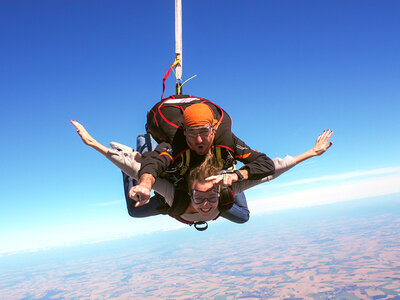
[211, 195]
[203, 131]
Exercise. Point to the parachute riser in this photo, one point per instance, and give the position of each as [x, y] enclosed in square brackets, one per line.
[178, 88]
[176, 67]
[178, 46]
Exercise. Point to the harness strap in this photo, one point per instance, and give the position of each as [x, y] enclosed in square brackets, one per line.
[185, 165]
[187, 162]
[219, 157]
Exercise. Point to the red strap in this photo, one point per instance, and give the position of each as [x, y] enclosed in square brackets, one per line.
[166, 76]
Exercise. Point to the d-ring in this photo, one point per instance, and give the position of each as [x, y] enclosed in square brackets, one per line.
[201, 225]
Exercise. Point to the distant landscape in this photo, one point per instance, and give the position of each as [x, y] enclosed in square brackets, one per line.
[342, 251]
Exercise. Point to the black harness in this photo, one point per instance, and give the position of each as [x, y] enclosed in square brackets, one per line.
[165, 123]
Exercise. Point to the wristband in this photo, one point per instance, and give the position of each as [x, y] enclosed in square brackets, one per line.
[237, 172]
[239, 175]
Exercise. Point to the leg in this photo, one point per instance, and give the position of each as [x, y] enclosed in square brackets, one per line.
[145, 143]
[239, 212]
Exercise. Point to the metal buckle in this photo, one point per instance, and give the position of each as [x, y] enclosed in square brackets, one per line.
[200, 225]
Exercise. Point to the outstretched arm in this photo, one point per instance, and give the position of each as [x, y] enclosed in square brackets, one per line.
[282, 165]
[88, 139]
[129, 163]
[256, 166]
[321, 145]
[138, 193]
[122, 156]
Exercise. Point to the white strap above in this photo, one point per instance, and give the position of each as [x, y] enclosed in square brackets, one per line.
[178, 38]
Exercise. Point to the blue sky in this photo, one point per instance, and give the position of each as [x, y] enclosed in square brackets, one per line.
[284, 71]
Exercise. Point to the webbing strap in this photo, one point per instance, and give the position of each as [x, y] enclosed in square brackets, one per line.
[178, 40]
[187, 162]
[167, 74]
[219, 157]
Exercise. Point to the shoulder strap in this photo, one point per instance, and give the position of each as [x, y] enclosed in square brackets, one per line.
[186, 162]
[219, 157]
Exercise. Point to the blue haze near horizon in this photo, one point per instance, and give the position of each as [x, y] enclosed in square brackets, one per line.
[289, 220]
[284, 71]
[320, 226]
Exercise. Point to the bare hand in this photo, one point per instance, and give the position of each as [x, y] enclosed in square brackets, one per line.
[141, 194]
[322, 144]
[224, 179]
[85, 136]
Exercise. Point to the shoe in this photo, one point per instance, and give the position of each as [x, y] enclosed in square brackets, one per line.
[120, 147]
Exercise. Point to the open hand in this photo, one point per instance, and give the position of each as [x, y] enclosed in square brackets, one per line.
[85, 136]
[224, 179]
[322, 144]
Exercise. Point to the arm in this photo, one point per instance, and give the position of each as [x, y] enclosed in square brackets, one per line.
[117, 157]
[256, 165]
[157, 161]
[142, 191]
[282, 165]
[152, 165]
[88, 139]
[129, 163]
[321, 145]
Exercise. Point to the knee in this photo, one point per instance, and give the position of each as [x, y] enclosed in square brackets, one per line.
[132, 211]
[136, 212]
[147, 210]
[237, 217]
[244, 218]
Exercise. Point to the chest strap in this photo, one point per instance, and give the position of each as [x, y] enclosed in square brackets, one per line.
[186, 162]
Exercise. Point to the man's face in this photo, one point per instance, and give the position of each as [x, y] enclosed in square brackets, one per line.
[205, 198]
[199, 138]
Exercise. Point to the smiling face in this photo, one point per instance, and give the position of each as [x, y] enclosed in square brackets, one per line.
[205, 198]
[199, 138]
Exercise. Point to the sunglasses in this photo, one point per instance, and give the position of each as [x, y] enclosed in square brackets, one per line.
[203, 131]
[211, 195]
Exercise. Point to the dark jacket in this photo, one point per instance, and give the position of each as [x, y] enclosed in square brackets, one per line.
[169, 157]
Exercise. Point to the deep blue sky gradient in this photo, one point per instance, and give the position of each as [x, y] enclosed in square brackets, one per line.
[284, 71]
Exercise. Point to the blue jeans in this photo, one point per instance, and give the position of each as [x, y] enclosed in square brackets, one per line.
[238, 213]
